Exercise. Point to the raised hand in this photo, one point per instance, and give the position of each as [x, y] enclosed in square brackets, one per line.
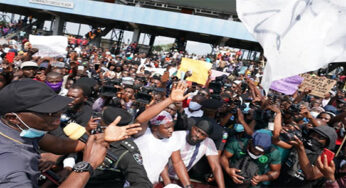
[178, 90]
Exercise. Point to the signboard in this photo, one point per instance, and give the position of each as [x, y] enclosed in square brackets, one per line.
[215, 73]
[199, 70]
[319, 85]
[287, 85]
[56, 3]
[49, 46]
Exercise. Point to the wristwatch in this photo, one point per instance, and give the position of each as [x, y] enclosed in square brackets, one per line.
[83, 167]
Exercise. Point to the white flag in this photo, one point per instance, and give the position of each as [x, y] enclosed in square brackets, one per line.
[297, 36]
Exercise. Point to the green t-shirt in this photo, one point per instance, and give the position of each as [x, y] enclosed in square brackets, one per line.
[239, 149]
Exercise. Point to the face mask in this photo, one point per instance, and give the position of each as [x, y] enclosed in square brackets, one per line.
[314, 114]
[238, 128]
[30, 132]
[55, 87]
[313, 145]
[247, 109]
[253, 156]
[194, 106]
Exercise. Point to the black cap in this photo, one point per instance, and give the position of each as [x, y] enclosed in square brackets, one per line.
[108, 91]
[110, 113]
[211, 103]
[30, 95]
[87, 81]
[201, 123]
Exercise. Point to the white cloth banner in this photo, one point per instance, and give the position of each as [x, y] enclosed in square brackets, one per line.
[297, 35]
[49, 46]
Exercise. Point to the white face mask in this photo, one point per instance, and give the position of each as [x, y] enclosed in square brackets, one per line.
[194, 106]
[253, 156]
[314, 114]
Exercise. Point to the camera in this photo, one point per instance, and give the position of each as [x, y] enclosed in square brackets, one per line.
[289, 136]
[143, 97]
[237, 104]
[98, 129]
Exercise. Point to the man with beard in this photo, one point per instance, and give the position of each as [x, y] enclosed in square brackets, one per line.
[79, 110]
[196, 145]
[300, 169]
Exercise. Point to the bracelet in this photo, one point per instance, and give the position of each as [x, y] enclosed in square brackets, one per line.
[188, 186]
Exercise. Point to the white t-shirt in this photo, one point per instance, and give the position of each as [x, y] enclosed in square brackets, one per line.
[156, 152]
[207, 147]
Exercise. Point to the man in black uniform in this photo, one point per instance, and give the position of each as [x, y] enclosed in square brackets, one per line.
[128, 168]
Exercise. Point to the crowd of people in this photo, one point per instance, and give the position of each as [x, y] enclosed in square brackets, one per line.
[148, 128]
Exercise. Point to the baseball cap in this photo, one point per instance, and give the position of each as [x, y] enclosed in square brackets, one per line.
[206, 126]
[262, 140]
[211, 103]
[30, 95]
[28, 64]
[111, 113]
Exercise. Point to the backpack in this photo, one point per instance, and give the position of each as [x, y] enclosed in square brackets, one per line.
[250, 167]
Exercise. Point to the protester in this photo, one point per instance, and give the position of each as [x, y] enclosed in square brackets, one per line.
[276, 140]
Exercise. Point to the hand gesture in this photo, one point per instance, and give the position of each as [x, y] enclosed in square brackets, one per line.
[115, 133]
[92, 124]
[95, 150]
[178, 90]
[255, 180]
[238, 179]
[327, 170]
[297, 143]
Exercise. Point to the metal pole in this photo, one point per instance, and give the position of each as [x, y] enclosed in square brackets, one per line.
[79, 29]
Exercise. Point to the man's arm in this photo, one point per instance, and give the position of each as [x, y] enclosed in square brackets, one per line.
[60, 145]
[269, 176]
[241, 120]
[94, 154]
[177, 95]
[311, 172]
[165, 176]
[232, 172]
[216, 169]
[180, 168]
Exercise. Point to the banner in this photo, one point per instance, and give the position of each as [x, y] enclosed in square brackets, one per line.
[215, 73]
[49, 46]
[319, 85]
[297, 35]
[198, 68]
[287, 85]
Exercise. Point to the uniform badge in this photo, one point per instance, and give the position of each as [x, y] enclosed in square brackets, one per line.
[138, 158]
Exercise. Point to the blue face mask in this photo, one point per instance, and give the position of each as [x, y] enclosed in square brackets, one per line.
[30, 132]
